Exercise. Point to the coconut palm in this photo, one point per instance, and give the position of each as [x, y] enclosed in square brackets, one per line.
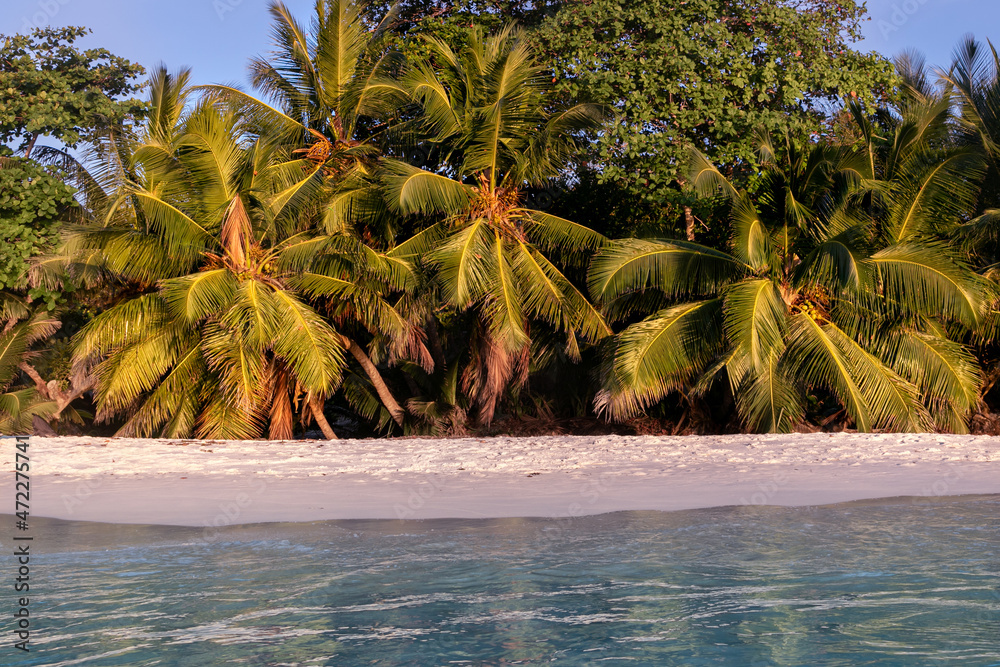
[837, 278]
[20, 405]
[973, 81]
[330, 92]
[491, 116]
[223, 262]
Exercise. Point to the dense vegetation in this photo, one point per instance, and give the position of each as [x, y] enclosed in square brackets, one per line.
[427, 219]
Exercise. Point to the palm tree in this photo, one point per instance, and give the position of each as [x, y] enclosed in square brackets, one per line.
[21, 405]
[490, 115]
[222, 259]
[973, 82]
[838, 277]
[330, 92]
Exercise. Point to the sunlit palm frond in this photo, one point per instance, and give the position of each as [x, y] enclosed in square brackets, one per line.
[194, 297]
[550, 233]
[122, 325]
[926, 280]
[947, 375]
[658, 355]
[465, 263]
[412, 190]
[307, 344]
[755, 320]
[874, 395]
[751, 239]
[675, 268]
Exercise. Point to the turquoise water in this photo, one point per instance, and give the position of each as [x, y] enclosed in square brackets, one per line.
[914, 583]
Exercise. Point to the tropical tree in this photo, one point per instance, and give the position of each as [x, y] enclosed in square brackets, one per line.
[973, 82]
[62, 92]
[35, 202]
[707, 73]
[490, 116]
[215, 244]
[21, 404]
[52, 90]
[839, 277]
[330, 92]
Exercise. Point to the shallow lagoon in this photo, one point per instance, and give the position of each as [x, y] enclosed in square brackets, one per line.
[879, 583]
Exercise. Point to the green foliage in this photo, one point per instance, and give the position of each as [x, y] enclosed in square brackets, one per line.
[48, 87]
[837, 278]
[19, 405]
[705, 73]
[330, 92]
[33, 203]
[454, 22]
[488, 112]
[617, 211]
[384, 205]
[225, 336]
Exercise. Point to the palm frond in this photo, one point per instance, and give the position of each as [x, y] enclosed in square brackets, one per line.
[755, 321]
[947, 375]
[751, 238]
[413, 190]
[502, 300]
[873, 394]
[925, 280]
[200, 295]
[706, 178]
[675, 268]
[658, 355]
[466, 262]
[768, 399]
[308, 345]
[552, 233]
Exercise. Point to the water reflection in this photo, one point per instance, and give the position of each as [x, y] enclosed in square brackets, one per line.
[877, 584]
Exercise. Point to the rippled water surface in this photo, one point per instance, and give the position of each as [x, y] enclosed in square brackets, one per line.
[914, 583]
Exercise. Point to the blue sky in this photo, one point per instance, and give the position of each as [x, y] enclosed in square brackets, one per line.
[216, 37]
[932, 27]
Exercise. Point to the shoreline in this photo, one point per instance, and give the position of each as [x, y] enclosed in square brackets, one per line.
[215, 483]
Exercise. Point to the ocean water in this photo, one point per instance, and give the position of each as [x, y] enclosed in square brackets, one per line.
[879, 583]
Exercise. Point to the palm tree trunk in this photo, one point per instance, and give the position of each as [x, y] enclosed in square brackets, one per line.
[689, 223]
[316, 406]
[434, 339]
[31, 145]
[282, 419]
[376, 379]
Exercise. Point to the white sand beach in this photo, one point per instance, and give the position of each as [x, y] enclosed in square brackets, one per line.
[215, 483]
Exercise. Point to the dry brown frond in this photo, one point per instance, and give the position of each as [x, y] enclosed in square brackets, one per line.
[492, 370]
[237, 235]
[282, 415]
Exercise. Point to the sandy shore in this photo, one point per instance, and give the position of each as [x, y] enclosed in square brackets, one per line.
[213, 483]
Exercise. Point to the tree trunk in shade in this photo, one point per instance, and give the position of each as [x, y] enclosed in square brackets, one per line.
[316, 406]
[376, 379]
